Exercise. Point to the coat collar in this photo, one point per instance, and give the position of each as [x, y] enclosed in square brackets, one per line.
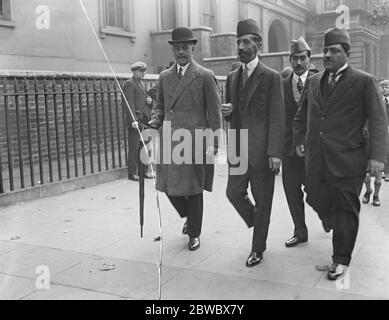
[177, 85]
[345, 83]
[256, 80]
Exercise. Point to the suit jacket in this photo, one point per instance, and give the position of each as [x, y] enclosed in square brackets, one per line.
[331, 127]
[135, 94]
[190, 103]
[291, 108]
[261, 112]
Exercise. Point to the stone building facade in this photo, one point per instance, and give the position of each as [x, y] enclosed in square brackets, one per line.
[56, 35]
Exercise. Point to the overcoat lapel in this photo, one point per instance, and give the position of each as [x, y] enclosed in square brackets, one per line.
[190, 75]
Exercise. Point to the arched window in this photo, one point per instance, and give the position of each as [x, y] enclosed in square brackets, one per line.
[278, 41]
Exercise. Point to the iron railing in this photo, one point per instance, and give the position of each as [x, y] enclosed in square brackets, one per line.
[55, 127]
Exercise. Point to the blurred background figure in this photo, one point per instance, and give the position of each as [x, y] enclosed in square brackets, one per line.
[286, 72]
[384, 86]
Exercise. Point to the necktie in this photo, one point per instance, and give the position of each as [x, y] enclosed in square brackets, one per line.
[300, 85]
[245, 76]
[332, 81]
[180, 73]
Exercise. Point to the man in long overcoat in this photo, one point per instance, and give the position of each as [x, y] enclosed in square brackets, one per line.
[254, 103]
[188, 101]
[138, 102]
[329, 130]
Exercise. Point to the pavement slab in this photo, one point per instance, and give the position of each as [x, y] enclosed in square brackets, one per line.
[90, 241]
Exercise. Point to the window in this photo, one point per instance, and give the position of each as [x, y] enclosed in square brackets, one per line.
[331, 5]
[116, 18]
[168, 14]
[5, 9]
[6, 14]
[209, 14]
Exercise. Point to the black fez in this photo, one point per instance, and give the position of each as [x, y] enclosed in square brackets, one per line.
[248, 26]
[182, 34]
[337, 36]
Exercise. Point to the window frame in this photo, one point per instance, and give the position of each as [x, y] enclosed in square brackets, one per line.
[323, 9]
[6, 19]
[128, 21]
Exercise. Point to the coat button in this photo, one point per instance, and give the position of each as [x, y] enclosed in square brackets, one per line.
[321, 133]
[323, 118]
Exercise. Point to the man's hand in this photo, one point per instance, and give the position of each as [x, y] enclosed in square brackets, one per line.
[300, 150]
[275, 164]
[375, 167]
[149, 100]
[135, 125]
[226, 109]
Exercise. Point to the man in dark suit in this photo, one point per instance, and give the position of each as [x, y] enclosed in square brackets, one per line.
[384, 85]
[293, 166]
[254, 103]
[188, 101]
[329, 130]
[138, 101]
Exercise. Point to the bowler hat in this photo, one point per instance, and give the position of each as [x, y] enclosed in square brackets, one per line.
[248, 26]
[138, 66]
[182, 34]
[337, 36]
[299, 45]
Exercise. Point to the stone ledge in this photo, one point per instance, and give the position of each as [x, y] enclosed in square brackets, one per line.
[60, 187]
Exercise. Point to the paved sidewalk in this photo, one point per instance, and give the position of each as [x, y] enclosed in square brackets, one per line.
[90, 242]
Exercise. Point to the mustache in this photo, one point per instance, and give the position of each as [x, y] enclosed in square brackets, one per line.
[243, 52]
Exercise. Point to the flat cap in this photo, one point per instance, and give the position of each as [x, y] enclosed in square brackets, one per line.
[299, 45]
[248, 26]
[384, 83]
[337, 36]
[138, 66]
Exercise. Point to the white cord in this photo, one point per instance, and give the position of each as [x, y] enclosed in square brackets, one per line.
[144, 145]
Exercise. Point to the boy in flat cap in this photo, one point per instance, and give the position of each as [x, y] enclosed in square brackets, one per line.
[293, 172]
[329, 131]
[138, 101]
[384, 86]
[188, 99]
[255, 103]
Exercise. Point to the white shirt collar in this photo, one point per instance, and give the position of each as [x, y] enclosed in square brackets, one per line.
[184, 68]
[341, 69]
[251, 65]
[303, 77]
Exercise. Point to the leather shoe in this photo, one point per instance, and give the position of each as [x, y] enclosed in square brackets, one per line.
[366, 197]
[336, 271]
[254, 259]
[133, 177]
[294, 241]
[185, 228]
[194, 244]
[376, 201]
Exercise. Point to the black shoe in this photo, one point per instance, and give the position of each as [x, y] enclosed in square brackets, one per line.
[376, 201]
[185, 228]
[336, 271]
[194, 244]
[294, 241]
[366, 197]
[133, 177]
[254, 259]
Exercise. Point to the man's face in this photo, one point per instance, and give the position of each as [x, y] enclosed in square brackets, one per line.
[183, 52]
[140, 73]
[247, 48]
[334, 57]
[385, 88]
[300, 62]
